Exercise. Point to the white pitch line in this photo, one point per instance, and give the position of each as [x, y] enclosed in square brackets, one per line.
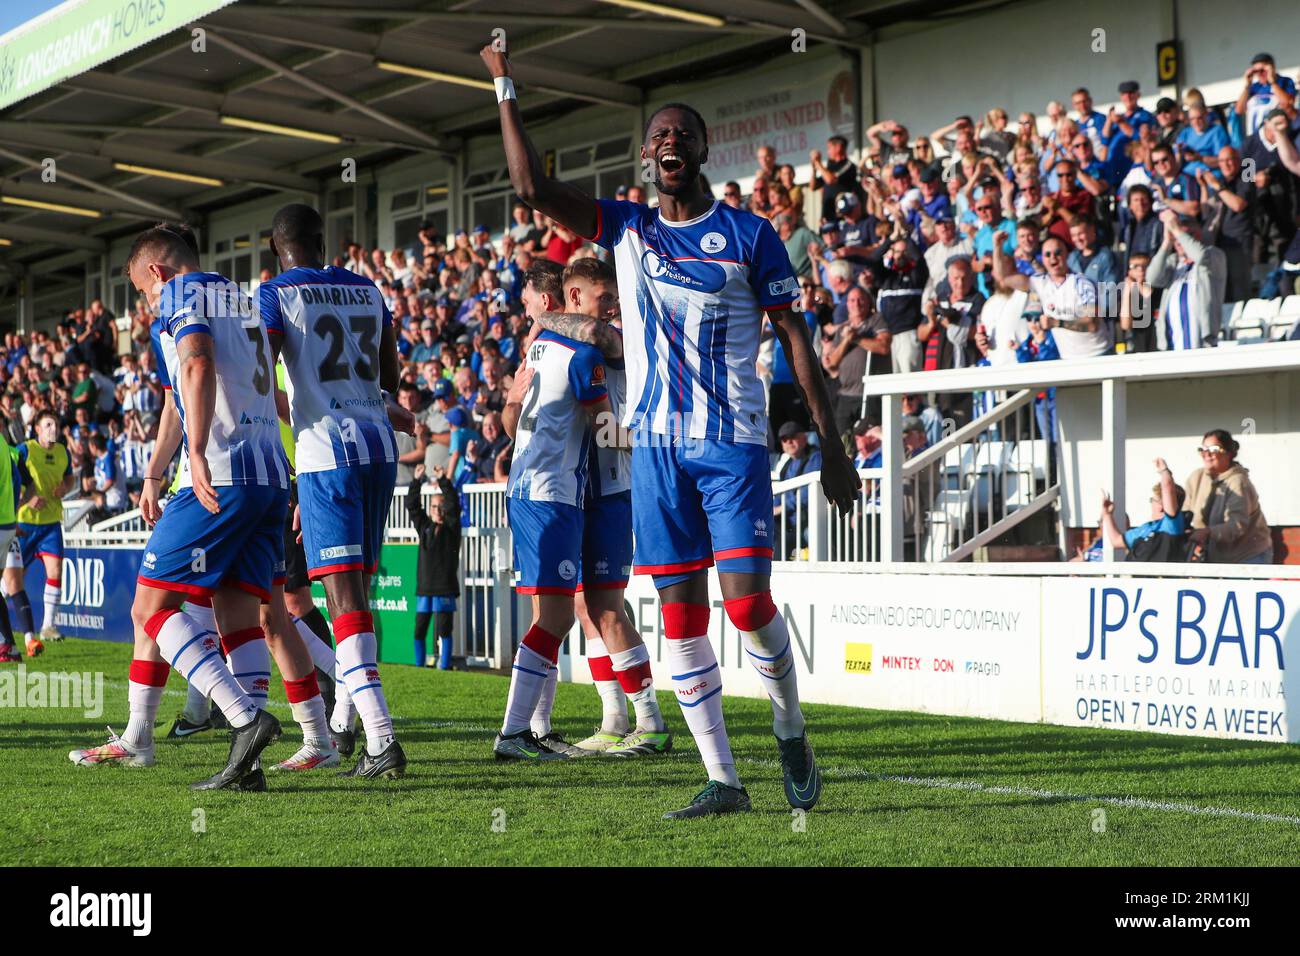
[1137, 803]
[932, 783]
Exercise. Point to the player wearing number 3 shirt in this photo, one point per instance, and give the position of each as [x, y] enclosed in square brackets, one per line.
[339, 348]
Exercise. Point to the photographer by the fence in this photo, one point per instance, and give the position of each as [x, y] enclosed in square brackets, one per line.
[437, 573]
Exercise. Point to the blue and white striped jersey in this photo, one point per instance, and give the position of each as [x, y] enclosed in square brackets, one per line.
[553, 440]
[331, 320]
[611, 467]
[244, 444]
[693, 295]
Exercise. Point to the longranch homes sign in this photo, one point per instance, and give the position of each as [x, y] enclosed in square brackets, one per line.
[81, 34]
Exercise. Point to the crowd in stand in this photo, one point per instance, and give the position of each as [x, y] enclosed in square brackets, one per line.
[979, 244]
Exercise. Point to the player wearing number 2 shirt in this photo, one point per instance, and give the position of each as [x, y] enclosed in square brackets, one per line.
[695, 280]
[339, 348]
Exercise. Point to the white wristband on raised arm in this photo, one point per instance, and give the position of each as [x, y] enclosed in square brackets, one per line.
[505, 88]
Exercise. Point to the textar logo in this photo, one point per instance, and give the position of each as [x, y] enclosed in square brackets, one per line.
[760, 528]
[567, 569]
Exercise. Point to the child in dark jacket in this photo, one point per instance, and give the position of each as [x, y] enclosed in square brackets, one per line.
[438, 571]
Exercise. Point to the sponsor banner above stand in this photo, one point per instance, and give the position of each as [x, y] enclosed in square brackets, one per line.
[1205, 658]
[79, 35]
[967, 647]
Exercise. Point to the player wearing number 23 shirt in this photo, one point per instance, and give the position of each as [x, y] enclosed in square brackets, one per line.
[330, 321]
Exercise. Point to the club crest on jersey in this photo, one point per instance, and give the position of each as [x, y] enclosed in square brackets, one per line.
[567, 569]
[697, 276]
[598, 375]
[713, 242]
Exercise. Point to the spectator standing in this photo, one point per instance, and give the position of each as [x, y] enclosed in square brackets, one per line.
[837, 175]
[900, 275]
[1194, 275]
[1226, 516]
[1231, 202]
[862, 343]
[437, 572]
[798, 458]
[947, 243]
[1263, 91]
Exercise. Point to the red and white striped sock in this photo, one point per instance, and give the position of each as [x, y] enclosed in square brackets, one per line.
[767, 645]
[249, 660]
[308, 709]
[537, 653]
[53, 594]
[144, 693]
[697, 681]
[613, 702]
[357, 651]
[193, 653]
[632, 669]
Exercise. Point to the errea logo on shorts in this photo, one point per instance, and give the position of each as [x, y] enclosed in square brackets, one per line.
[150, 559]
[760, 528]
[340, 551]
[567, 569]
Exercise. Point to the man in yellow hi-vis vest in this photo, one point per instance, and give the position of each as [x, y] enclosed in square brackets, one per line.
[46, 470]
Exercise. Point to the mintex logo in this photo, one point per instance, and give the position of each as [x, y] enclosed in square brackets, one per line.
[857, 658]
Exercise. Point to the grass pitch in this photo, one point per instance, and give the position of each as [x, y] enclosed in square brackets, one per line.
[901, 789]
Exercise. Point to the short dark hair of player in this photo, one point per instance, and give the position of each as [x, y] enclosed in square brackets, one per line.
[545, 277]
[297, 225]
[589, 268]
[43, 414]
[172, 241]
[685, 108]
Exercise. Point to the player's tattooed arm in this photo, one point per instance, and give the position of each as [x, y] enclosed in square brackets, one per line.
[198, 385]
[511, 414]
[583, 328]
[839, 478]
[565, 203]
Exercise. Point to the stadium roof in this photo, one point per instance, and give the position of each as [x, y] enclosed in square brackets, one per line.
[165, 131]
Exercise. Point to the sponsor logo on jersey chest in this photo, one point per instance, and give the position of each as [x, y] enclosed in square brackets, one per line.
[696, 276]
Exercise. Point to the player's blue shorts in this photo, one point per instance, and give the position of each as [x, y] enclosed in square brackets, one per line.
[547, 538]
[606, 542]
[195, 552]
[698, 501]
[343, 515]
[433, 604]
[35, 541]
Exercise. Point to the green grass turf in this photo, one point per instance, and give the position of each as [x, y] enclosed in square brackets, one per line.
[890, 796]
